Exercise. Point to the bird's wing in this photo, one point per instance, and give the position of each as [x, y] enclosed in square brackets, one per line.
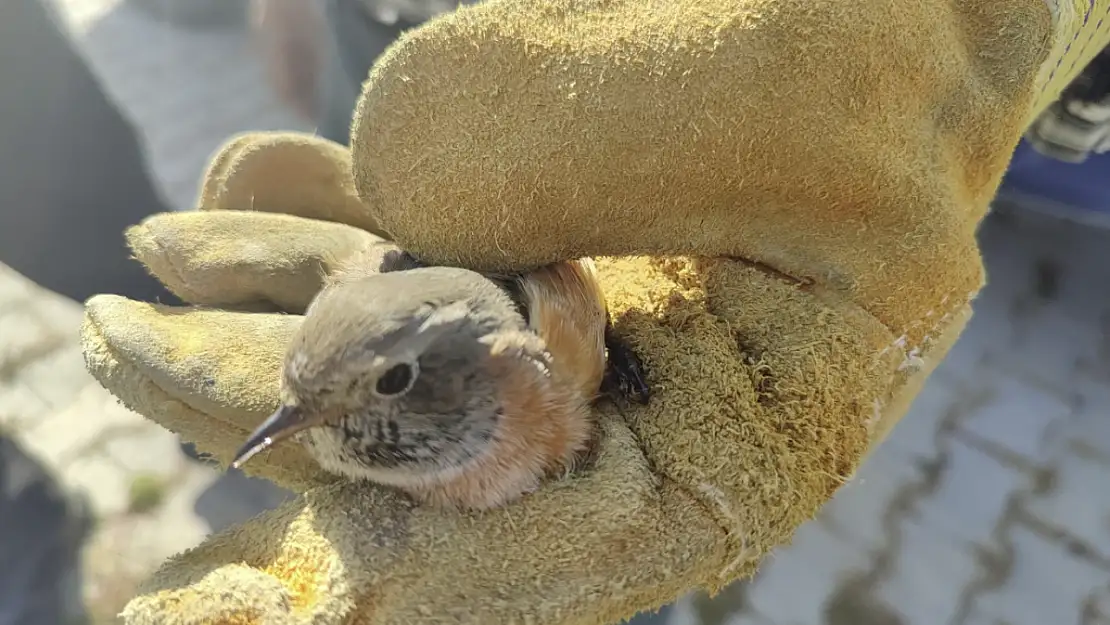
[566, 307]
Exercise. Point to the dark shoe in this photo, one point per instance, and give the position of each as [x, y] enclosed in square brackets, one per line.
[40, 546]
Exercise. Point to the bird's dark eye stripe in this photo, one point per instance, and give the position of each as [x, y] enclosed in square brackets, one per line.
[395, 380]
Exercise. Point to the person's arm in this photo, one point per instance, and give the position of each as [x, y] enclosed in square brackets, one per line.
[40, 545]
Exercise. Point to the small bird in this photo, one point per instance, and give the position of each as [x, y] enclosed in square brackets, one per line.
[462, 389]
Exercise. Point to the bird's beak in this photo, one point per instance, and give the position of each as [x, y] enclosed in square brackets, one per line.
[283, 423]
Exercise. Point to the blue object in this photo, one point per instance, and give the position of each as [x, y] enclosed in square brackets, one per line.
[1076, 191]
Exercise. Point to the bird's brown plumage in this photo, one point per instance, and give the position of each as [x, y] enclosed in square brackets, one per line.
[503, 404]
[547, 423]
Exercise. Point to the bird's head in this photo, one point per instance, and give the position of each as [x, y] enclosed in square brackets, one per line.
[388, 373]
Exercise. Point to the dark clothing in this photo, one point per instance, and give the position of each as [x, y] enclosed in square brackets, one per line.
[41, 532]
[355, 42]
[72, 174]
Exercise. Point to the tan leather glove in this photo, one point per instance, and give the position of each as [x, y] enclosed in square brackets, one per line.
[841, 153]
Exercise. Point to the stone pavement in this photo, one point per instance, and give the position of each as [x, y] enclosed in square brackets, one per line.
[988, 505]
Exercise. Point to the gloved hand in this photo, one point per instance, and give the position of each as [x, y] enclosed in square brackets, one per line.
[799, 182]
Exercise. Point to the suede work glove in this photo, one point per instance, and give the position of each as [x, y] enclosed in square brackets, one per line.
[783, 194]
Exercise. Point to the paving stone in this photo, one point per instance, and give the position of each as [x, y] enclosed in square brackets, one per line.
[856, 603]
[986, 334]
[744, 618]
[1078, 252]
[747, 618]
[1046, 585]
[931, 573]
[1017, 417]
[1079, 502]
[20, 406]
[171, 528]
[23, 337]
[855, 513]
[681, 612]
[1053, 350]
[1094, 365]
[124, 551]
[80, 14]
[61, 314]
[794, 583]
[990, 330]
[978, 618]
[1091, 423]
[1097, 607]
[914, 438]
[58, 377]
[90, 421]
[127, 546]
[15, 290]
[148, 449]
[102, 483]
[972, 496]
[685, 612]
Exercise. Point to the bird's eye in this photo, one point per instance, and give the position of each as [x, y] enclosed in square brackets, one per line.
[396, 380]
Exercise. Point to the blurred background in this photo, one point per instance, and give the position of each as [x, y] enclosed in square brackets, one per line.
[988, 505]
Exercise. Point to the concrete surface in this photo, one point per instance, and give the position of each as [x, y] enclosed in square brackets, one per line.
[988, 505]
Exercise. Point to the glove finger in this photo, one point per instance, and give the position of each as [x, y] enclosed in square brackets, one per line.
[283, 172]
[209, 376]
[243, 259]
